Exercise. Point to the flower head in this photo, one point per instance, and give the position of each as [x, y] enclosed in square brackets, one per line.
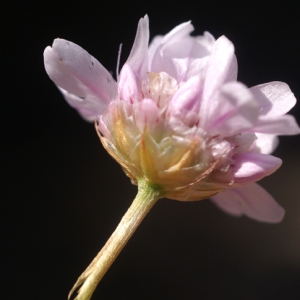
[178, 118]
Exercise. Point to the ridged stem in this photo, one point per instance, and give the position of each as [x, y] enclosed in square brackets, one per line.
[146, 197]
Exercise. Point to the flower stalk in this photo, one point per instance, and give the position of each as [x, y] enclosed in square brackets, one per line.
[146, 197]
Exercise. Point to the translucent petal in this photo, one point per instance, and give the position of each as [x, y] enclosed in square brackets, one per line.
[178, 32]
[231, 111]
[179, 54]
[89, 108]
[207, 40]
[282, 125]
[188, 96]
[155, 43]
[250, 200]
[275, 98]
[80, 76]
[266, 143]
[220, 67]
[138, 54]
[146, 114]
[129, 85]
[162, 62]
[253, 166]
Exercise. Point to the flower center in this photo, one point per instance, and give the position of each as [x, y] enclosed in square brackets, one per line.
[160, 88]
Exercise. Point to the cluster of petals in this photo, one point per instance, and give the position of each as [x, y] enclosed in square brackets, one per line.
[178, 117]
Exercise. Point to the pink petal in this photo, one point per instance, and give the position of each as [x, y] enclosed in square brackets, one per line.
[187, 48]
[220, 68]
[250, 200]
[185, 58]
[129, 85]
[154, 45]
[188, 96]
[243, 142]
[196, 67]
[138, 54]
[178, 32]
[186, 102]
[89, 108]
[85, 83]
[230, 112]
[146, 114]
[282, 125]
[207, 40]
[275, 98]
[179, 54]
[163, 62]
[253, 166]
[233, 70]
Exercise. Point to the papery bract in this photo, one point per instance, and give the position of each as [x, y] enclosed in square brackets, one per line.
[178, 118]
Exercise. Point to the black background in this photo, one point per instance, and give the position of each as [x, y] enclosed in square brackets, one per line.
[62, 195]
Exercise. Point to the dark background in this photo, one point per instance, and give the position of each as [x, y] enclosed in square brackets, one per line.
[62, 195]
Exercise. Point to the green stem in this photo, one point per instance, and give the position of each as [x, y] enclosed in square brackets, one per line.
[146, 197]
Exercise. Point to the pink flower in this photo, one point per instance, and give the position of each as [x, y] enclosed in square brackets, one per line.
[178, 117]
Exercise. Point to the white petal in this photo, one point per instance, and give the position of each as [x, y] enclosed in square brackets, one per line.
[282, 125]
[253, 166]
[138, 54]
[161, 88]
[166, 51]
[187, 57]
[155, 43]
[275, 98]
[185, 103]
[243, 142]
[266, 143]
[196, 67]
[250, 200]
[80, 76]
[187, 96]
[231, 111]
[220, 67]
[233, 70]
[207, 40]
[178, 32]
[90, 109]
[129, 88]
[146, 114]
